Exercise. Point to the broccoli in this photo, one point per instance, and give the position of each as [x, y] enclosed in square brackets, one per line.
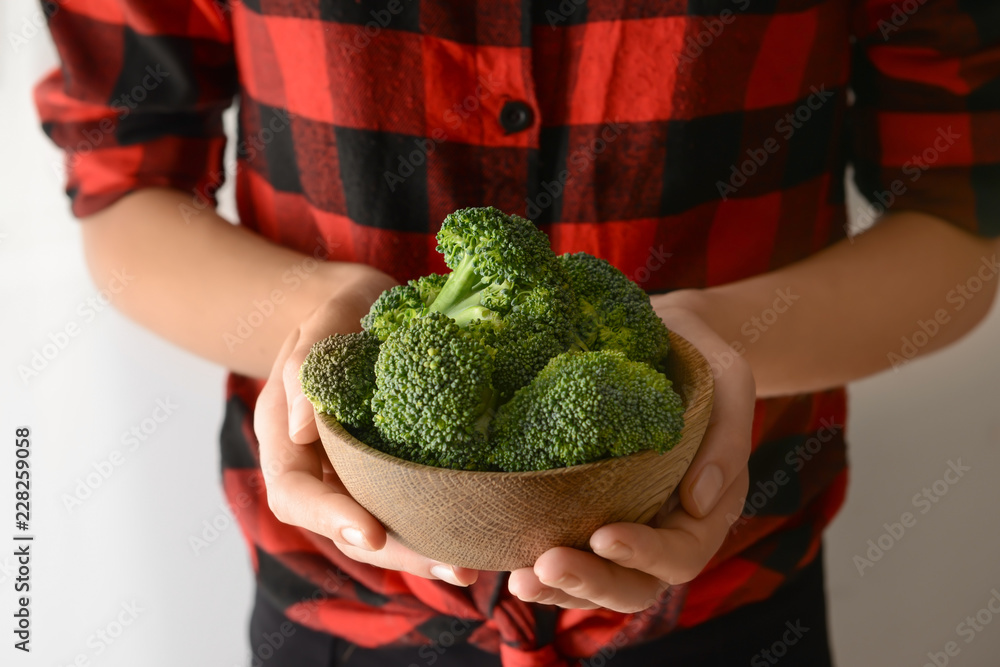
[585, 406]
[434, 396]
[338, 378]
[615, 313]
[429, 286]
[398, 305]
[495, 260]
[515, 360]
[509, 289]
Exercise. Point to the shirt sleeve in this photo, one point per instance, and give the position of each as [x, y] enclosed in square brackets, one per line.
[138, 99]
[926, 111]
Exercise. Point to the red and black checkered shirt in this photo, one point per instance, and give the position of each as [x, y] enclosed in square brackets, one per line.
[690, 142]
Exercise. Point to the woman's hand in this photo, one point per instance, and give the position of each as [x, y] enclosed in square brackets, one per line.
[302, 488]
[635, 563]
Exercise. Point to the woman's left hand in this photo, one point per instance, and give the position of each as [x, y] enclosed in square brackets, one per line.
[633, 564]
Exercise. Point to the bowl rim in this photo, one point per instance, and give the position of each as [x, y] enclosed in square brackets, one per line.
[707, 387]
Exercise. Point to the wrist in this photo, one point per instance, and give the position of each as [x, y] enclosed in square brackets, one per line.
[703, 304]
[350, 282]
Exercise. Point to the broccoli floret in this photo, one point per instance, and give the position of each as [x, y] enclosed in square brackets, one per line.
[434, 396]
[508, 288]
[586, 406]
[428, 287]
[400, 304]
[391, 310]
[615, 313]
[537, 330]
[495, 258]
[338, 378]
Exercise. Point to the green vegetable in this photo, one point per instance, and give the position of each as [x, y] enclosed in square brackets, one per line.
[586, 406]
[338, 378]
[434, 396]
[400, 304]
[515, 360]
[507, 286]
[616, 313]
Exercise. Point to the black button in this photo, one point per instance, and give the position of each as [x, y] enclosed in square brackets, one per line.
[516, 116]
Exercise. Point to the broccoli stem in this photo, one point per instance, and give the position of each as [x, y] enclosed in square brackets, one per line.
[472, 301]
[464, 317]
[459, 299]
[578, 344]
[457, 288]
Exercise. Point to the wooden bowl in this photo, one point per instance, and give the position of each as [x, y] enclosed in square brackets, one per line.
[506, 520]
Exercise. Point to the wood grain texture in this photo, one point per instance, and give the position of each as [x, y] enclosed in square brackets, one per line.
[504, 521]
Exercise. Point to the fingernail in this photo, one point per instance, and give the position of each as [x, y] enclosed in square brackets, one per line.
[616, 551]
[445, 573]
[302, 412]
[707, 489]
[356, 538]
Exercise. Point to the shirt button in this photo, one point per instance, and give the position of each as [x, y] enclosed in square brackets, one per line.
[516, 116]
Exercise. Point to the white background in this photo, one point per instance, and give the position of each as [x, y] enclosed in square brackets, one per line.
[130, 542]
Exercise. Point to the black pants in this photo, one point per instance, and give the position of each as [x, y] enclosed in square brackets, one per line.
[788, 629]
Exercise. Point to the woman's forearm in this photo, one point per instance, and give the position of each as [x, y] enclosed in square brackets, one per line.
[213, 288]
[908, 286]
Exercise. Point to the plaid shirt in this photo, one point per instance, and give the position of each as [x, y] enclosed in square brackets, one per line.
[690, 142]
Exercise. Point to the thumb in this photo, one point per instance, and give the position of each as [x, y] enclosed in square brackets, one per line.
[334, 316]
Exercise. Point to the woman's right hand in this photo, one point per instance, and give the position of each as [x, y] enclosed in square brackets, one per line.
[302, 488]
